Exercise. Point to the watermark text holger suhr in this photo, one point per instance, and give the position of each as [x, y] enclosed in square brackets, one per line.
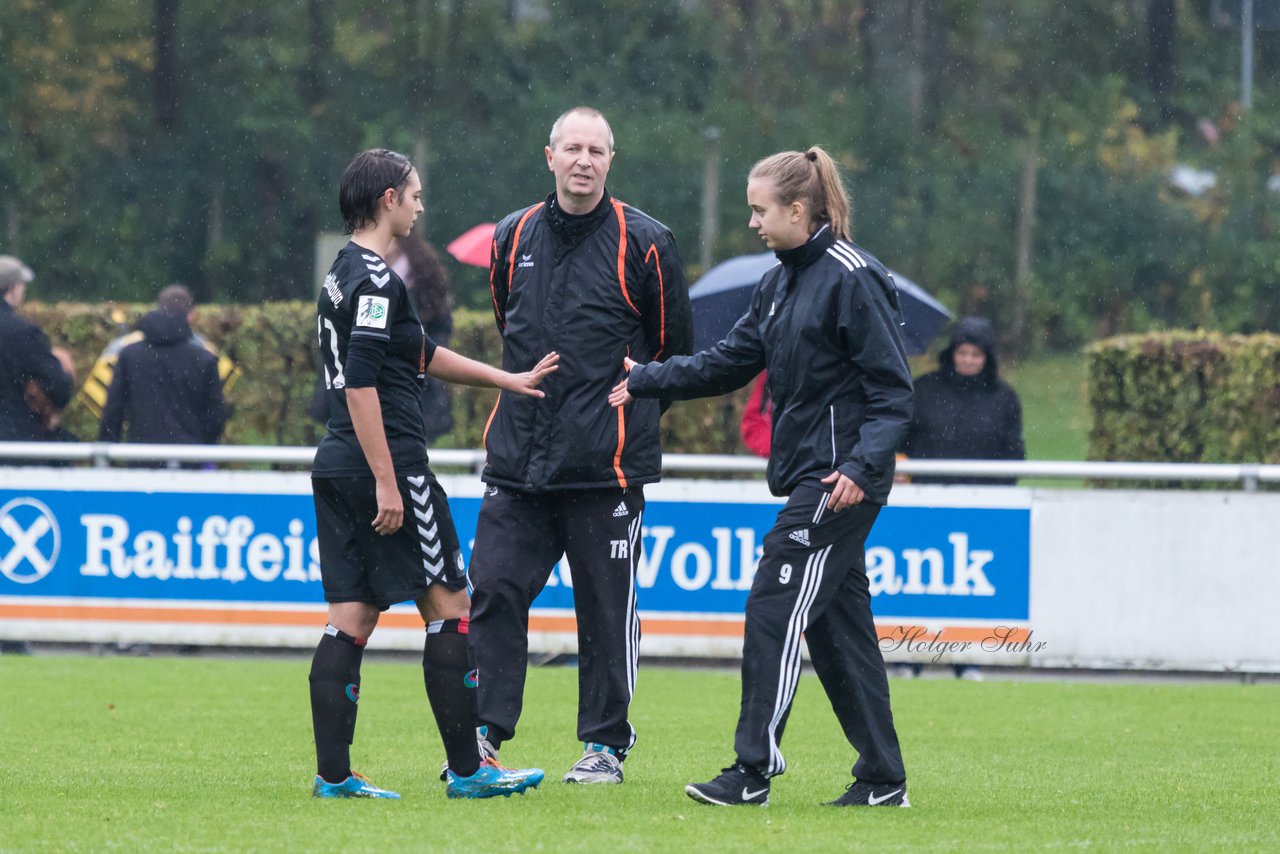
[919, 639]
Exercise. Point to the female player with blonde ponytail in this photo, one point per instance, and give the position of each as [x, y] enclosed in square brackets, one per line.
[824, 322]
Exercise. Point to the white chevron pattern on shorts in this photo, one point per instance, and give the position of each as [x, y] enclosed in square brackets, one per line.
[417, 481]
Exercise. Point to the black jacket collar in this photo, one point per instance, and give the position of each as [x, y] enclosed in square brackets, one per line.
[806, 253]
[571, 228]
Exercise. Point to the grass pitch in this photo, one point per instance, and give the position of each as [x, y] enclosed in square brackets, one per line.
[215, 754]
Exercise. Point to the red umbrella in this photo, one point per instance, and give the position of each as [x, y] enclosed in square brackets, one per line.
[474, 245]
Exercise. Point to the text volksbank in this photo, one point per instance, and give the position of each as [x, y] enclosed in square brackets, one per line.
[922, 562]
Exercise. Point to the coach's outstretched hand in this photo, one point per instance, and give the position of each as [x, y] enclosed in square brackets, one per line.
[527, 383]
[620, 396]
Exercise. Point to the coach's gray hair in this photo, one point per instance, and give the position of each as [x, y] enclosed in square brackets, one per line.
[591, 112]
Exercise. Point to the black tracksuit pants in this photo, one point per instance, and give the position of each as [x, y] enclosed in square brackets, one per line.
[812, 580]
[520, 536]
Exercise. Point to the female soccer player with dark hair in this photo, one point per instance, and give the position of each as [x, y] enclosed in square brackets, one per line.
[824, 322]
[385, 531]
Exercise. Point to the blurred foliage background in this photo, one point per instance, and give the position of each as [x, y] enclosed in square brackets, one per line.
[1013, 156]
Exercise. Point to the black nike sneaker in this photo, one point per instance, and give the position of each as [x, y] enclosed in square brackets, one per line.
[736, 786]
[872, 795]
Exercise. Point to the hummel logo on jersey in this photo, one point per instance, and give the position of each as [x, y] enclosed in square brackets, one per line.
[620, 510]
[526, 261]
[801, 537]
[380, 281]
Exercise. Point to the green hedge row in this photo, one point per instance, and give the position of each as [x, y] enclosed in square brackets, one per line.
[273, 346]
[1185, 397]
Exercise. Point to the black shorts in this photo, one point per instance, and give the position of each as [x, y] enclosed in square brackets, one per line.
[357, 564]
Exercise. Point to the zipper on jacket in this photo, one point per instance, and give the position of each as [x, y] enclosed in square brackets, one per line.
[833, 436]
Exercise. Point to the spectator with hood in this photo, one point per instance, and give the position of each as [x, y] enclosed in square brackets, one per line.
[166, 388]
[963, 410]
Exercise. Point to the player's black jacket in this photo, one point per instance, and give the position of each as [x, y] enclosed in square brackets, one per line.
[594, 288]
[369, 336]
[824, 322]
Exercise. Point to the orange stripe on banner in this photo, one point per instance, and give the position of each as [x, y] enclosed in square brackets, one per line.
[395, 620]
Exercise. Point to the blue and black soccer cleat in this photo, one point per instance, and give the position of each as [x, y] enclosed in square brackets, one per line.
[355, 786]
[492, 780]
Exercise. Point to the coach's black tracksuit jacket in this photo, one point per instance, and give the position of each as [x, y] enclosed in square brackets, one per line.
[824, 322]
[594, 288]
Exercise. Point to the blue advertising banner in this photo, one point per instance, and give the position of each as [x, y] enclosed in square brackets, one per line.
[187, 543]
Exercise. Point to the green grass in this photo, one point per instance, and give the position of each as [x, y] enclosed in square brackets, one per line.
[215, 754]
[1055, 410]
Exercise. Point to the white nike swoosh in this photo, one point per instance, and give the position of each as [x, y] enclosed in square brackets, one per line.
[748, 795]
[872, 800]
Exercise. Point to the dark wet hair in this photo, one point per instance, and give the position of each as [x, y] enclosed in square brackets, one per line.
[370, 174]
[175, 300]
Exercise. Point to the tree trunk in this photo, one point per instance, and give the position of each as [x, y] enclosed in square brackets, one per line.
[1162, 32]
[317, 50]
[1025, 242]
[164, 25]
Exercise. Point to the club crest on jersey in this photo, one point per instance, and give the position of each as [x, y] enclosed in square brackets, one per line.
[371, 313]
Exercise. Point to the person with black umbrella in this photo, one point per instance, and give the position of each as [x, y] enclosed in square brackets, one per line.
[825, 322]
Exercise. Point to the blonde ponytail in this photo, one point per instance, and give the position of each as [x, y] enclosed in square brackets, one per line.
[813, 178]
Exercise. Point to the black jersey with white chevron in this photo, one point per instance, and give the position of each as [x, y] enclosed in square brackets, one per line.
[369, 335]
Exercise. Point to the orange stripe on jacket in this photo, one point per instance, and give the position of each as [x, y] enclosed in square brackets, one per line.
[622, 253]
[493, 293]
[662, 300]
[515, 244]
[484, 438]
[622, 440]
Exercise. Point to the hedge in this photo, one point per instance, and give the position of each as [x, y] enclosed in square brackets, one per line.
[273, 345]
[1185, 397]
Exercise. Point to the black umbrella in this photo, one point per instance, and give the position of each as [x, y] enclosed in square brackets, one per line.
[724, 294]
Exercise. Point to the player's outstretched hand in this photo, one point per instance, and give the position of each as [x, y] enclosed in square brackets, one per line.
[527, 383]
[845, 492]
[619, 396]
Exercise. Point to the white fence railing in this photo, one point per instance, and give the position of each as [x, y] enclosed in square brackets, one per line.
[102, 454]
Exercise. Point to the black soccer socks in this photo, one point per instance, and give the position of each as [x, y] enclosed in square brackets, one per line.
[335, 694]
[451, 691]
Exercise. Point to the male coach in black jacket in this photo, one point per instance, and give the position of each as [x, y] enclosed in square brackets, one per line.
[594, 280]
[166, 387]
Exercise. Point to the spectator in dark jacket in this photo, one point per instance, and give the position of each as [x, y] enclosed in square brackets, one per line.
[964, 411]
[166, 387]
[35, 378]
